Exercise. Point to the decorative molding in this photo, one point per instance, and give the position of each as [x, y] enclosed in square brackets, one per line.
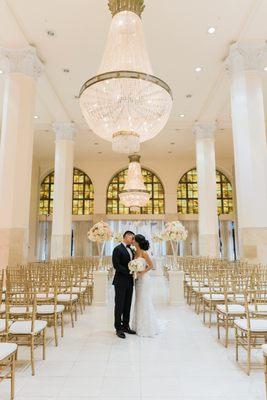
[136, 6]
[24, 61]
[64, 130]
[205, 130]
[246, 57]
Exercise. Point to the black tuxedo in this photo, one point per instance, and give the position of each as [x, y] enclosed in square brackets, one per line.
[123, 283]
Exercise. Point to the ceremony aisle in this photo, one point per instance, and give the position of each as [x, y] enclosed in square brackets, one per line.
[184, 363]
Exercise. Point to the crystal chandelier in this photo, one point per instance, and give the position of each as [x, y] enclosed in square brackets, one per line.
[125, 103]
[134, 194]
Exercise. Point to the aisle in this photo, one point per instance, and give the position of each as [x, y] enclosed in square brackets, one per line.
[184, 363]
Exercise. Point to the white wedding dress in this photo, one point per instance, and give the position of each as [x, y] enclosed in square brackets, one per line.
[145, 321]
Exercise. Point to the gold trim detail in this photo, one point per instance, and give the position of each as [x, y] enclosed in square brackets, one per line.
[125, 74]
[125, 133]
[136, 6]
[135, 191]
[134, 158]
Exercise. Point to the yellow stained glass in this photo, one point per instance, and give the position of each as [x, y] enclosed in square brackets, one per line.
[82, 194]
[153, 185]
[187, 193]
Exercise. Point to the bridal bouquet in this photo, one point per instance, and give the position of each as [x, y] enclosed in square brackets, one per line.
[136, 266]
[100, 232]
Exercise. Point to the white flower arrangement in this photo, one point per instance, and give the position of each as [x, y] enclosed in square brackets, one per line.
[100, 232]
[118, 237]
[136, 266]
[157, 238]
[174, 231]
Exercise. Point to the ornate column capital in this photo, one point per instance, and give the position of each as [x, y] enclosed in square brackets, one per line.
[246, 57]
[24, 61]
[64, 130]
[205, 130]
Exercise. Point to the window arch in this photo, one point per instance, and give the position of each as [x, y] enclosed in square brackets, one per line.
[153, 184]
[82, 194]
[187, 193]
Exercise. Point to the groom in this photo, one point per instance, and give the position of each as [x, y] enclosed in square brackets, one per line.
[123, 283]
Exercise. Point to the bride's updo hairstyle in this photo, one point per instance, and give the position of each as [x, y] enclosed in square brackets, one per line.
[143, 243]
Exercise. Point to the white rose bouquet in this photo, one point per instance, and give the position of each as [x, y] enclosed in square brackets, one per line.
[175, 231]
[100, 232]
[118, 237]
[136, 266]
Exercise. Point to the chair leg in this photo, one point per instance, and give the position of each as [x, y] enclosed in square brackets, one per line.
[12, 377]
[44, 343]
[218, 326]
[248, 356]
[226, 331]
[62, 324]
[236, 344]
[75, 310]
[210, 310]
[71, 315]
[32, 355]
[55, 329]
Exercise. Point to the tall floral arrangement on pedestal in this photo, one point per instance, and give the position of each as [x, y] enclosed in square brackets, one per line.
[174, 232]
[118, 237]
[100, 233]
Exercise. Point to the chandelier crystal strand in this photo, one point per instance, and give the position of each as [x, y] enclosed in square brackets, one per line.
[134, 194]
[125, 103]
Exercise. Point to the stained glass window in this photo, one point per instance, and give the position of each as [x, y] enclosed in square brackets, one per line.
[187, 194]
[156, 203]
[82, 194]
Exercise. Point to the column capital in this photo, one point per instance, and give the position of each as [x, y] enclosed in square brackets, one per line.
[205, 130]
[246, 57]
[64, 130]
[24, 61]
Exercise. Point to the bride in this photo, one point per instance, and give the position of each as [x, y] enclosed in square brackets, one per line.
[145, 321]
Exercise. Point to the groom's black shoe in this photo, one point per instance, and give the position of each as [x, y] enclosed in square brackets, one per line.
[129, 331]
[121, 334]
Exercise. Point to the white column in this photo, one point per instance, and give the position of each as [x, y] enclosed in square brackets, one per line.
[100, 294]
[176, 288]
[62, 211]
[21, 67]
[245, 63]
[207, 195]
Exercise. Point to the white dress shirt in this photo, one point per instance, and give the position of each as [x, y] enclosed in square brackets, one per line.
[128, 249]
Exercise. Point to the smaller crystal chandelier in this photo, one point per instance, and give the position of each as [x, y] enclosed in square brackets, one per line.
[134, 194]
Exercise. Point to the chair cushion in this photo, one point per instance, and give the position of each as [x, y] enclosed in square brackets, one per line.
[6, 349]
[20, 310]
[43, 296]
[214, 296]
[78, 289]
[50, 309]
[261, 308]
[2, 325]
[256, 325]
[264, 349]
[66, 297]
[232, 309]
[24, 327]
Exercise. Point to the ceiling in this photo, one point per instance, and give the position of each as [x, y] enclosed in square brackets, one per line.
[177, 42]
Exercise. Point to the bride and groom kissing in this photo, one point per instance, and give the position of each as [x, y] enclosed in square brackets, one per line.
[145, 322]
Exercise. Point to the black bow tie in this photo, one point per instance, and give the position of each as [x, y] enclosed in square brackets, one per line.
[129, 246]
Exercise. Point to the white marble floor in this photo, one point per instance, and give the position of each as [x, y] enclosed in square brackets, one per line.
[185, 363]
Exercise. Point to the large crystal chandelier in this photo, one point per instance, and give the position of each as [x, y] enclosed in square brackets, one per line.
[125, 103]
[134, 193]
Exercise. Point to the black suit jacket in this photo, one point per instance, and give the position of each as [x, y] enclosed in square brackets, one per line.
[120, 261]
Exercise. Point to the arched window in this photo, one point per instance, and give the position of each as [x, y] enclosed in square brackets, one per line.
[82, 194]
[187, 194]
[153, 184]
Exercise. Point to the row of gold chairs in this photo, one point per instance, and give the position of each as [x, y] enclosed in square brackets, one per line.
[37, 296]
[236, 293]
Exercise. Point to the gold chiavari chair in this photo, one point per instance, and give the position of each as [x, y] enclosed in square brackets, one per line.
[25, 330]
[249, 332]
[65, 295]
[8, 353]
